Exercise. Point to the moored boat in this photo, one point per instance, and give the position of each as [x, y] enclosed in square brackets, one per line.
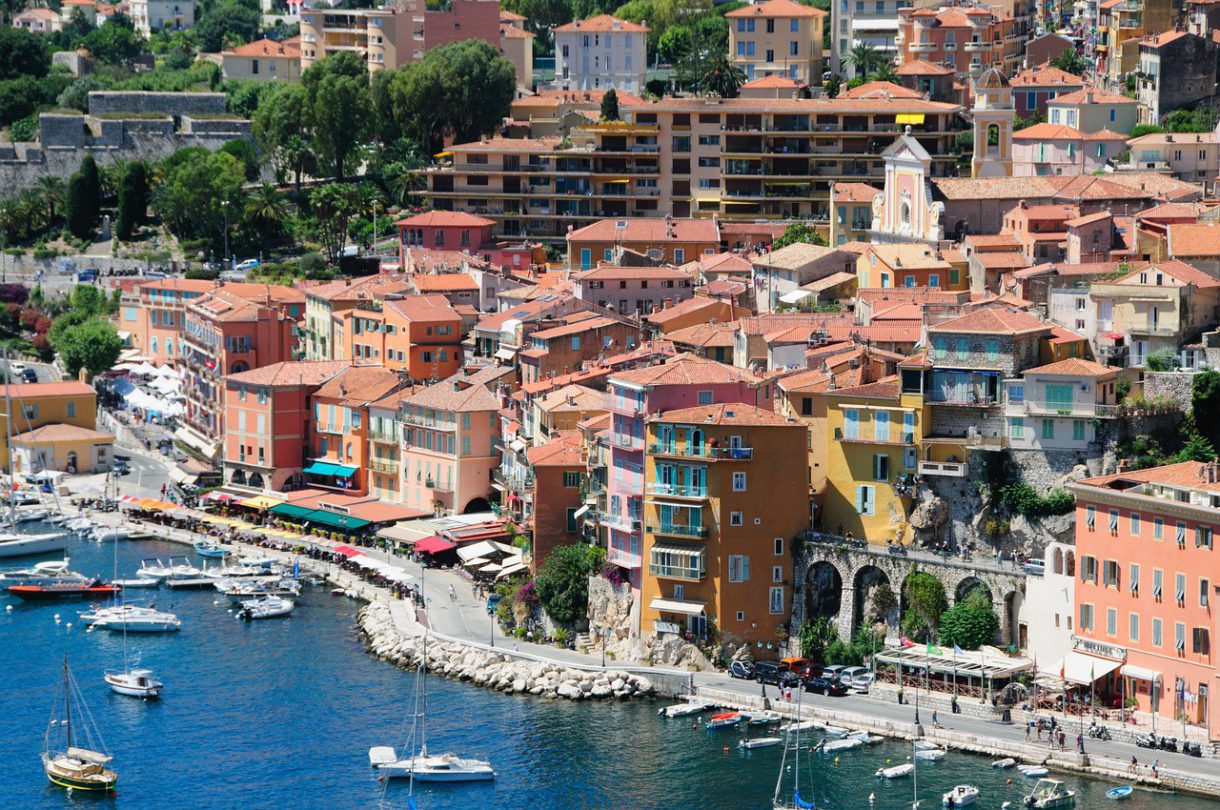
[27, 545]
[1049, 793]
[1006, 762]
[1033, 771]
[132, 618]
[266, 607]
[43, 573]
[682, 709]
[138, 582]
[1119, 793]
[759, 742]
[80, 763]
[89, 589]
[135, 683]
[960, 796]
[838, 746]
[896, 771]
[206, 548]
[931, 754]
[723, 720]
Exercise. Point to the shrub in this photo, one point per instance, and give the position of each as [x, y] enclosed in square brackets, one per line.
[970, 623]
[1020, 498]
[526, 594]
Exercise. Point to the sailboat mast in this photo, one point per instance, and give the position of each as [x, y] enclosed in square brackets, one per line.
[68, 701]
[8, 447]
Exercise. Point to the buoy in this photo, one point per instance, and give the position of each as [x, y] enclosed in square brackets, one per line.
[1009, 782]
[215, 601]
[56, 617]
[8, 608]
[725, 749]
[872, 798]
[69, 625]
[836, 762]
[888, 761]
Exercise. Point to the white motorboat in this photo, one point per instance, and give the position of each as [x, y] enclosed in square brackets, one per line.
[138, 582]
[25, 545]
[865, 737]
[104, 534]
[33, 515]
[834, 731]
[154, 569]
[135, 683]
[43, 573]
[132, 618]
[761, 718]
[723, 720]
[430, 767]
[682, 709]
[1006, 762]
[240, 590]
[896, 771]
[759, 742]
[960, 796]
[847, 744]
[925, 745]
[81, 526]
[1050, 793]
[931, 754]
[803, 725]
[1033, 771]
[266, 607]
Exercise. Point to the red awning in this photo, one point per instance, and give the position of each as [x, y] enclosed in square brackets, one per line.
[433, 545]
[348, 551]
[1115, 335]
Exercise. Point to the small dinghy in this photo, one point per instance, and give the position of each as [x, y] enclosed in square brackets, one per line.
[1120, 793]
[897, 771]
[723, 720]
[759, 742]
[1006, 762]
[835, 746]
[925, 745]
[761, 718]
[682, 709]
[931, 754]
[864, 737]
[206, 548]
[1033, 771]
[138, 582]
[960, 796]
[266, 607]
[804, 725]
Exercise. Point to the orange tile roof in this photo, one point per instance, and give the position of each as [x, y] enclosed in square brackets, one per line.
[776, 8]
[445, 219]
[611, 272]
[994, 320]
[1091, 95]
[922, 67]
[773, 83]
[266, 48]
[443, 282]
[573, 398]
[495, 145]
[1088, 219]
[555, 98]
[1049, 132]
[685, 369]
[1045, 75]
[509, 31]
[726, 286]
[290, 373]
[985, 240]
[198, 285]
[1182, 271]
[853, 192]
[360, 385]
[1002, 260]
[61, 433]
[705, 335]
[364, 288]
[562, 450]
[888, 388]
[647, 230]
[1194, 239]
[580, 326]
[810, 106]
[1074, 367]
[725, 413]
[51, 389]
[881, 90]
[424, 308]
[1185, 475]
[464, 392]
[603, 23]
[1162, 39]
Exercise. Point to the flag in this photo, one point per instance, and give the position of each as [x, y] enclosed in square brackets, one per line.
[958, 650]
[906, 642]
[1063, 670]
[933, 649]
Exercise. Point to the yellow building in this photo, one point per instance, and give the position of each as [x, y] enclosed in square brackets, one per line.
[721, 509]
[911, 264]
[35, 405]
[851, 212]
[778, 38]
[65, 448]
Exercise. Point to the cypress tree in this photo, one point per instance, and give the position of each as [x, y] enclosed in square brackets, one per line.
[133, 201]
[78, 211]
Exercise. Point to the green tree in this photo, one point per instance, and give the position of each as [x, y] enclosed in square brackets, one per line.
[562, 584]
[971, 623]
[885, 72]
[22, 53]
[227, 20]
[266, 208]
[1145, 129]
[721, 77]
[814, 637]
[116, 43]
[53, 191]
[192, 191]
[93, 345]
[342, 120]
[924, 601]
[864, 58]
[799, 232]
[82, 200]
[76, 96]
[1071, 61]
[1205, 404]
[610, 106]
[676, 44]
[133, 200]
[334, 206]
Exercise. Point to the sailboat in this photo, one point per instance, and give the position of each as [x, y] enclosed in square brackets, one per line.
[69, 765]
[133, 682]
[12, 543]
[783, 800]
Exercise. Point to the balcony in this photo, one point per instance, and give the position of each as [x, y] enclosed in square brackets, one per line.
[677, 491]
[951, 469]
[384, 465]
[1152, 330]
[328, 427]
[628, 441]
[922, 47]
[622, 557]
[630, 524]
[675, 530]
[430, 424]
[436, 485]
[384, 438]
[686, 574]
[702, 451]
[1081, 409]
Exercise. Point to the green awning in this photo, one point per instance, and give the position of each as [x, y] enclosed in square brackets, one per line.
[289, 511]
[321, 468]
[336, 521]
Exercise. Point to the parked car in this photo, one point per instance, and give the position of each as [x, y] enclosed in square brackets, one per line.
[774, 672]
[863, 682]
[248, 264]
[849, 674]
[832, 672]
[16, 367]
[30, 375]
[826, 686]
[741, 669]
[1035, 567]
[119, 467]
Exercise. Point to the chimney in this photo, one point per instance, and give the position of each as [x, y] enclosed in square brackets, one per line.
[1124, 465]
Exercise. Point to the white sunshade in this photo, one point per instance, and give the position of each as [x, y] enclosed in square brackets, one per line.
[506, 354]
[509, 570]
[683, 606]
[1084, 669]
[477, 562]
[1140, 673]
[491, 568]
[483, 548]
[795, 297]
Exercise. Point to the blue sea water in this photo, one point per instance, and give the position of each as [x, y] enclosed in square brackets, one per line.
[281, 713]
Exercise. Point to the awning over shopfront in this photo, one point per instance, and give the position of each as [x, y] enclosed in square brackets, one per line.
[683, 606]
[433, 545]
[348, 551]
[476, 550]
[261, 502]
[329, 468]
[795, 297]
[1140, 674]
[505, 354]
[1084, 669]
[398, 533]
[181, 476]
[287, 510]
[335, 520]
[509, 570]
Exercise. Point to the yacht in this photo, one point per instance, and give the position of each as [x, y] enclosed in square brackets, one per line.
[27, 545]
[242, 589]
[1050, 793]
[77, 760]
[430, 767]
[134, 683]
[132, 619]
[43, 573]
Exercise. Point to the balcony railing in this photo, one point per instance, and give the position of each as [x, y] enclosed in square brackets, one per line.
[953, 469]
[624, 524]
[438, 486]
[430, 424]
[383, 466]
[676, 572]
[385, 438]
[622, 557]
[1084, 409]
[328, 427]
[675, 530]
[677, 490]
[702, 451]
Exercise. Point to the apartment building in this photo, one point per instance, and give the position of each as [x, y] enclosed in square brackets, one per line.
[744, 159]
[269, 423]
[575, 340]
[1093, 110]
[263, 60]
[669, 241]
[1191, 156]
[152, 313]
[600, 53]
[720, 500]
[556, 470]
[851, 206]
[911, 264]
[1147, 572]
[632, 290]
[418, 335]
[339, 454]
[1059, 405]
[385, 446]
[161, 15]
[68, 407]
[324, 301]
[1056, 149]
[1034, 88]
[969, 39]
[1122, 25]
[778, 38]
[856, 21]
[1176, 70]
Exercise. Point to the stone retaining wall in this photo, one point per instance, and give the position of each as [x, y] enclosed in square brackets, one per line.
[496, 670]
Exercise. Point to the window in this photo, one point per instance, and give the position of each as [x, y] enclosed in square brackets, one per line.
[572, 523]
[1088, 569]
[1181, 534]
[851, 424]
[1090, 517]
[1179, 637]
[1133, 627]
[993, 350]
[1156, 632]
[1048, 428]
[1135, 524]
[571, 480]
[794, 26]
[1086, 617]
[735, 519]
[739, 568]
[866, 499]
[794, 47]
[71, 409]
[1179, 588]
[1017, 428]
[739, 482]
[1133, 578]
[962, 348]
[1158, 528]
[777, 601]
[779, 547]
[1158, 582]
[1109, 573]
[777, 573]
[910, 458]
[1205, 588]
[1203, 537]
[704, 397]
[1201, 641]
[1111, 622]
[881, 467]
[1113, 521]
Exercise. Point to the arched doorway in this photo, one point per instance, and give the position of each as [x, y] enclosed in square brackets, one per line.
[238, 477]
[256, 480]
[823, 591]
[72, 461]
[1008, 622]
[969, 585]
[875, 600]
[477, 505]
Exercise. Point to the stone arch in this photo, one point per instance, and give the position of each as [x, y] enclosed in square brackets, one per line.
[1057, 561]
[477, 505]
[823, 591]
[1009, 608]
[255, 480]
[1069, 563]
[238, 477]
[864, 585]
[968, 584]
[239, 367]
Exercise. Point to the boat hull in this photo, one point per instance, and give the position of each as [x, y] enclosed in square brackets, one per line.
[35, 544]
[425, 775]
[72, 778]
[35, 593]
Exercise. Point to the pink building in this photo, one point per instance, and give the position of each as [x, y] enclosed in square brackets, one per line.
[445, 230]
[1054, 149]
[153, 313]
[1147, 567]
[684, 382]
[463, 19]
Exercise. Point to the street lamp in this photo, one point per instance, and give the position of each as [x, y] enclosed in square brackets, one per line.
[224, 210]
[491, 628]
[375, 201]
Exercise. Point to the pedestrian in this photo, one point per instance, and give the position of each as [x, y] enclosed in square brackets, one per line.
[1027, 730]
[953, 707]
[1039, 724]
[1062, 740]
[1080, 743]
[1156, 768]
[935, 719]
[1134, 764]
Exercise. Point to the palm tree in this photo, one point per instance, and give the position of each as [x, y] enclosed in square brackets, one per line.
[885, 72]
[297, 157]
[863, 57]
[722, 77]
[52, 190]
[266, 207]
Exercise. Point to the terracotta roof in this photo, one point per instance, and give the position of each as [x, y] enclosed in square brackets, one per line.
[1164, 38]
[1091, 95]
[705, 335]
[505, 14]
[44, 13]
[1049, 132]
[360, 385]
[920, 360]
[1167, 211]
[773, 83]
[989, 240]
[651, 231]
[61, 433]
[776, 8]
[563, 450]
[611, 272]
[909, 256]
[1074, 367]
[687, 307]
[529, 311]
[997, 320]
[445, 219]
[808, 106]
[905, 311]
[853, 192]
[725, 286]
[1086, 269]
[1118, 185]
[495, 145]
[881, 90]
[1185, 475]
[382, 512]
[574, 398]
[1088, 219]
[443, 282]
[266, 48]
[290, 373]
[1187, 274]
[794, 256]
[888, 388]
[602, 23]
[685, 369]
[922, 67]
[510, 31]
[1045, 75]
[576, 328]
[365, 288]
[424, 308]
[1105, 135]
[198, 285]
[466, 391]
[725, 413]
[589, 98]
[51, 389]
[725, 262]
[1193, 239]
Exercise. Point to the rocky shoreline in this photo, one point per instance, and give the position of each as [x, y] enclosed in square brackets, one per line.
[500, 671]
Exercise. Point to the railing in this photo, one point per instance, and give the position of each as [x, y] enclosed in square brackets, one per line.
[953, 469]
[624, 524]
[622, 557]
[430, 424]
[704, 451]
[383, 466]
[379, 436]
[675, 530]
[1037, 407]
[676, 572]
[325, 427]
[677, 490]
[437, 486]
[975, 401]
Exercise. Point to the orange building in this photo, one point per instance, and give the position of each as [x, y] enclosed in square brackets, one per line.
[555, 470]
[153, 313]
[672, 241]
[724, 498]
[268, 423]
[341, 417]
[418, 334]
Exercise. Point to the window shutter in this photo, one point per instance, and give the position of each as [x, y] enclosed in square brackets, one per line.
[860, 499]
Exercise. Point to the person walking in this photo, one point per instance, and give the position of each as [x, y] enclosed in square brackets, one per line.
[1079, 743]
[1027, 729]
[935, 719]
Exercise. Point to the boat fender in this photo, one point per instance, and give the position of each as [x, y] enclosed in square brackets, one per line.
[836, 762]
[872, 798]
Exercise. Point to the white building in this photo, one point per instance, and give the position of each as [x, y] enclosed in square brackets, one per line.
[599, 53]
[155, 15]
[855, 21]
[1044, 623]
